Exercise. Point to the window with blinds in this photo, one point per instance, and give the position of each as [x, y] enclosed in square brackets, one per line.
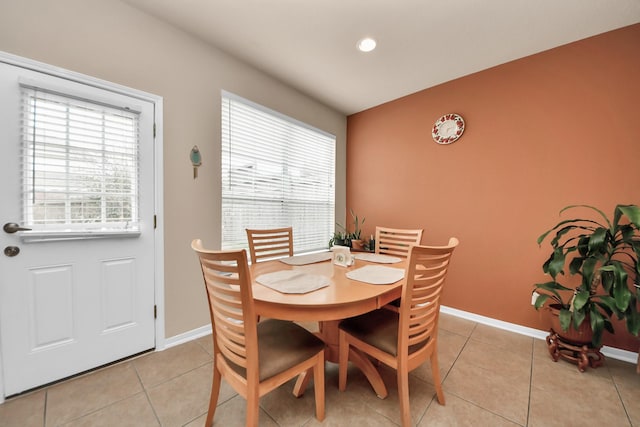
[79, 164]
[276, 172]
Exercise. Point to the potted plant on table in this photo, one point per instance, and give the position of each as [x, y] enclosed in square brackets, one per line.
[339, 238]
[356, 235]
[603, 254]
[342, 237]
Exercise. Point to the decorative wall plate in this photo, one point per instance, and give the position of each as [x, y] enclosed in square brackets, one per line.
[447, 129]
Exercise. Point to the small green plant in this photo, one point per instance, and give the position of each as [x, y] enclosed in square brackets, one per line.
[357, 224]
[340, 236]
[604, 254]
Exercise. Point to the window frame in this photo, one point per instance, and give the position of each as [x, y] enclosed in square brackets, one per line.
[310, 233]
[77, 230]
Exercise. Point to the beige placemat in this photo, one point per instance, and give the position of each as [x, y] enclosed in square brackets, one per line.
[307, 259]
[293, 282]
[379, 258]
[376, 274]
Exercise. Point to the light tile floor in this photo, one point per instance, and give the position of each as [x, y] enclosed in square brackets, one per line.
[491, 378]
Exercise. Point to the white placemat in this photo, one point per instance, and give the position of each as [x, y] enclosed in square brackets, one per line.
[376, 274]
[293, 282]
[307, 259]
[379, 258]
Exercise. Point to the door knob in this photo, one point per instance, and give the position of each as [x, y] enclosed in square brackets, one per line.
[12, 227]
[11, 251]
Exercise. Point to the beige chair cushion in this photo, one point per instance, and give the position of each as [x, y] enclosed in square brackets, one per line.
[281, 345]
[378, 328]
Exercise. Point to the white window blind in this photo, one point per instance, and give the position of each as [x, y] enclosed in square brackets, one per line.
[276, 172]
[79, 164]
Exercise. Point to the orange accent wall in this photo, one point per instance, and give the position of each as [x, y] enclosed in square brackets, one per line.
[557, 128]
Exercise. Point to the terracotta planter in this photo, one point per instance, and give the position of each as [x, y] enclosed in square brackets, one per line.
[357, 244]
[581, 337]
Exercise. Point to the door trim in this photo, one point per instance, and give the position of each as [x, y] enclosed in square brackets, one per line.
[157, 101]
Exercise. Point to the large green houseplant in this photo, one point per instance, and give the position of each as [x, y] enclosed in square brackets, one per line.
[604, 255]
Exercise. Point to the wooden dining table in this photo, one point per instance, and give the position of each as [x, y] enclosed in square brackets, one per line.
[342, 298]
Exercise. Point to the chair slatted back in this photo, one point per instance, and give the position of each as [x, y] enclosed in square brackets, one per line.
[270, 243]
[420, 303]
[228, 285]
[396, 241]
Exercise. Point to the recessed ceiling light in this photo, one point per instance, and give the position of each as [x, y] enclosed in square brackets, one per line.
[367, 44]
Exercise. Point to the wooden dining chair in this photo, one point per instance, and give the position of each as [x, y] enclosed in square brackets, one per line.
[406, 339]
[270, 243]
[396, 241]
[254, 358]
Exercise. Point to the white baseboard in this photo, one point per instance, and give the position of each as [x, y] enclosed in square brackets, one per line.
[619, 354]
[187, 336]
[611, 352]
[522, 330]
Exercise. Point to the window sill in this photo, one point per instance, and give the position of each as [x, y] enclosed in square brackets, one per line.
[54, 236]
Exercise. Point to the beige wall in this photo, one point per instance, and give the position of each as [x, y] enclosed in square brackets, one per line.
[110, 40]
[557, 128]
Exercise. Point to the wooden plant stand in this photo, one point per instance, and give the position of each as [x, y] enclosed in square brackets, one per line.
[582, 354]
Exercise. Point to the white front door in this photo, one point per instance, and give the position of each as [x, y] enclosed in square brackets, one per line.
[74, 295]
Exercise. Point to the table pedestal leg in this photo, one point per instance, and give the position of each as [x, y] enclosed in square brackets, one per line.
[330, 334]
[373, 376]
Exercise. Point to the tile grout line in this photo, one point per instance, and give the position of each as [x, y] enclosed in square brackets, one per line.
[144, 390]
[44, 409]
[533, 346]
[624, 407]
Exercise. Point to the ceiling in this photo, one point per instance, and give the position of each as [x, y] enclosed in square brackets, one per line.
[311, 44]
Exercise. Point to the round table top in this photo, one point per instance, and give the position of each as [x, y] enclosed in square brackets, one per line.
[343, 297]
